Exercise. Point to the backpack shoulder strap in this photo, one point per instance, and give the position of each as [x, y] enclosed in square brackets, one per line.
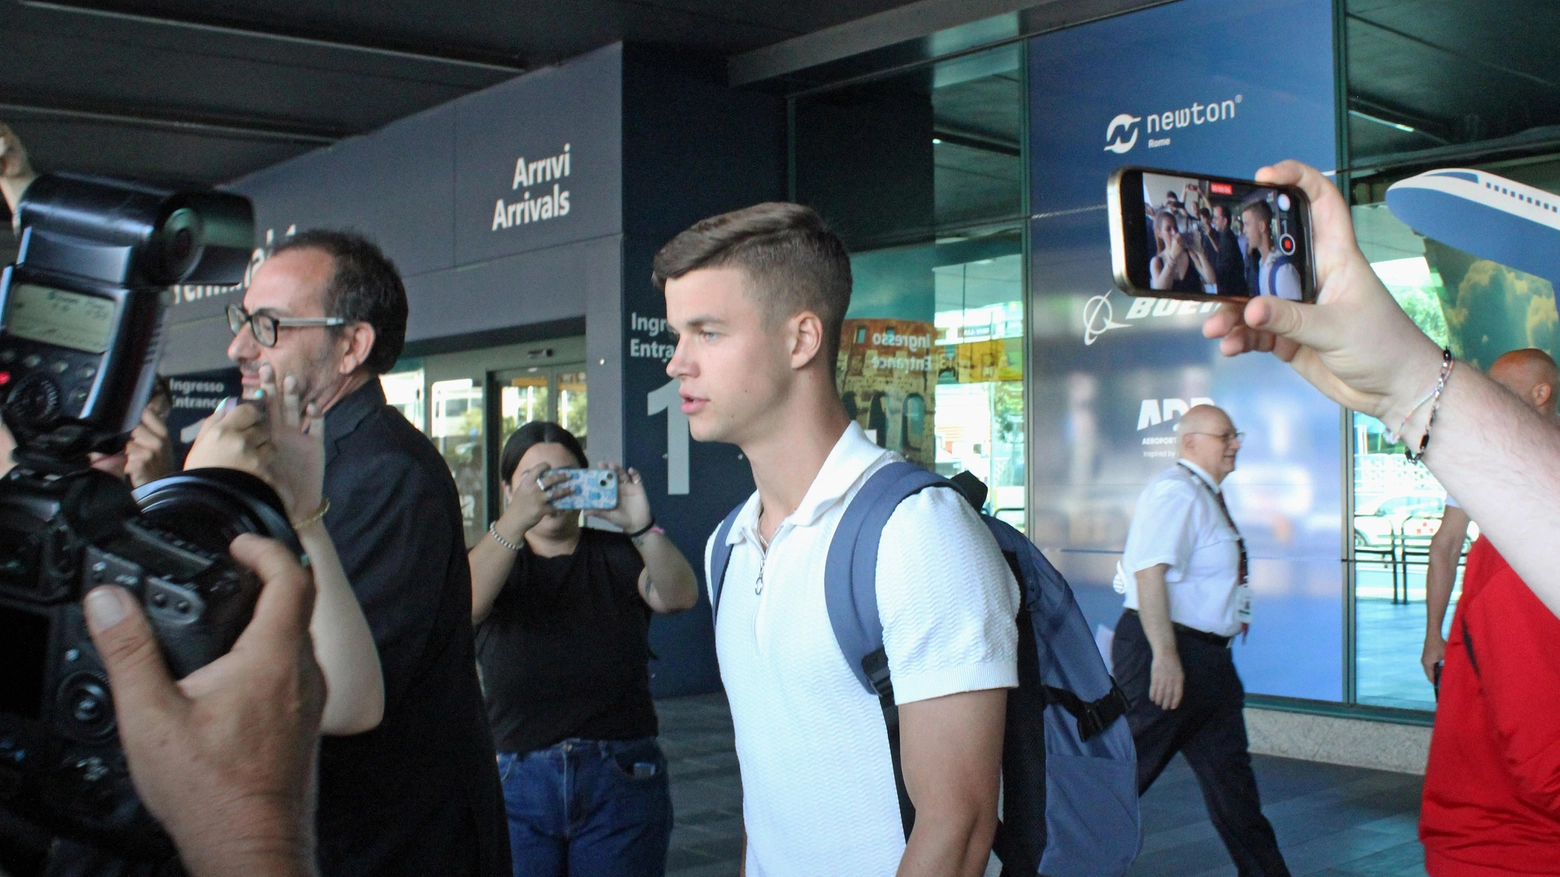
[1278, 262]
[850, 571]
[850, 591]
[720, 556]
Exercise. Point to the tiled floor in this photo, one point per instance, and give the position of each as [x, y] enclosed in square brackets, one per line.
[1332, 821]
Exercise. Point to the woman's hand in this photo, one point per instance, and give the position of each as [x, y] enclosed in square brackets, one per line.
[297, 434]
[633, 509]
[531, 493]
[281, 443]
[234, 438]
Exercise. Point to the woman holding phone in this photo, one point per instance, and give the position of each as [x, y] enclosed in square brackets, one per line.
[1179, 253]
[563, 619]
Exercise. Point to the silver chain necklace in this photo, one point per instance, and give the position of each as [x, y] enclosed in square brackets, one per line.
[758, 586]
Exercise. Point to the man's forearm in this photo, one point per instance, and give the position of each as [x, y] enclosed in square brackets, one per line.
[673, 585]
[1501, 460]
[942, 847]
[1440, 575]
[1154, 608]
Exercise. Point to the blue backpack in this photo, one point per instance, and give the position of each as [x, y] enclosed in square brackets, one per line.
[1069, 767]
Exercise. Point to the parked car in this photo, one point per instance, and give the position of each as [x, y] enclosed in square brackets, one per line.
[1414, 518]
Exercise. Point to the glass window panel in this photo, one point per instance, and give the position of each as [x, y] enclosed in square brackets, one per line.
[404, 392]
[457, 431]
[931, 359]
[1425, 75]
[1480, 309]
[524, 399]
[893, 160]
[571, 403]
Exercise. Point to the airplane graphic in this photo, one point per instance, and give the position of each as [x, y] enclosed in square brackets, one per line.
[1483, 214]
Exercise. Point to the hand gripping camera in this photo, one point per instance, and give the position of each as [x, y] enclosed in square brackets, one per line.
[81, 321]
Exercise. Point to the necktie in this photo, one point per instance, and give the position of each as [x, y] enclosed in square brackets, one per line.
[1239, 539]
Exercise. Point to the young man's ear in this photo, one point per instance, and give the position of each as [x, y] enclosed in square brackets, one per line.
[359, 338]
[807, 342]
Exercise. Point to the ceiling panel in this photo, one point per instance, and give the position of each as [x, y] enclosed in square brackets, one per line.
[1455, 71]
[209, 99]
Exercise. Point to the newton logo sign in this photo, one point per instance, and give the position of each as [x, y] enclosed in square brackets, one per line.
[1122, 132]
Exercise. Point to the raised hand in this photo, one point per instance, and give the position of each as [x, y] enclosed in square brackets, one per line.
[633, 509]
[297, 435]
[16, 171]
[149, 453]
[1355, 344]
[532, 492]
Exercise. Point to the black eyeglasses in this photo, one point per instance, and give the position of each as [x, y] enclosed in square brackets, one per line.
[264, 326]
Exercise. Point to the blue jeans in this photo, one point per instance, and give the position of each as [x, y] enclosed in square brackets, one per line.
[588, 808]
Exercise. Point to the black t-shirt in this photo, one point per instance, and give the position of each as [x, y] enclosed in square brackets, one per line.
[565, 652]
[419, 796]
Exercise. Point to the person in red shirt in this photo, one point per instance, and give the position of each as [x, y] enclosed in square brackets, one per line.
[1492, 787]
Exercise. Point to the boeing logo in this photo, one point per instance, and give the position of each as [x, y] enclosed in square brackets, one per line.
[1196, 114]
[1099, 316]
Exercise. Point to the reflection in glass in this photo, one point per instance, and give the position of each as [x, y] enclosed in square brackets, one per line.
[1481, 310]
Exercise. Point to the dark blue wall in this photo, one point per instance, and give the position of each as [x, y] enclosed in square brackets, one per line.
[692, 148]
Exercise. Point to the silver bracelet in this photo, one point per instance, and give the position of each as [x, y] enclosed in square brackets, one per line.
[493, 531]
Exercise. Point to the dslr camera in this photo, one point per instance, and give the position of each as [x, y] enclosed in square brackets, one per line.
[81, 327]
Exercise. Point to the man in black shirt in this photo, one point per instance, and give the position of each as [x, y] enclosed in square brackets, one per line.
[1223, 249]
[419, 795]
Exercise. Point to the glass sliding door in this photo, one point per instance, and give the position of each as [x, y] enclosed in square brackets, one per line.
[469, 402]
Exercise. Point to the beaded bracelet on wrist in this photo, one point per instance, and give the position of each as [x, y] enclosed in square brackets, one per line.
[1447, 364]
[493, 531]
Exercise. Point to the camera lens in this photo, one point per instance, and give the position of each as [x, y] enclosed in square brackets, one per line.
[212, 507]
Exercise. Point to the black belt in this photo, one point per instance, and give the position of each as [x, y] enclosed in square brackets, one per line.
[1222, 642]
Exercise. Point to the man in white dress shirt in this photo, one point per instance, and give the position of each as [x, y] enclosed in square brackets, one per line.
[757, 298]
[1184, 576]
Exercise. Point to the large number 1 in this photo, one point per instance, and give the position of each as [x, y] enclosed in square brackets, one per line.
[665, 398]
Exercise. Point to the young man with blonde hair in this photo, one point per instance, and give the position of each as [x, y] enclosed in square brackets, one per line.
[757, 298]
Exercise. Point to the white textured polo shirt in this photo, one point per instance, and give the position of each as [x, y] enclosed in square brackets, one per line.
[1178, 522]
[817, 778]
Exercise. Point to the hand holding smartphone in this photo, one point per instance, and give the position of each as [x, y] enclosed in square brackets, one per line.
[1259, 239]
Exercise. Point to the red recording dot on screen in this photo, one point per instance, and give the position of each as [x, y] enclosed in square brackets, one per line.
[5, 378]
[1221, 188]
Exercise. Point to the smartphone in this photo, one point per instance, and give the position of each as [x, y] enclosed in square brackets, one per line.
[592, 489]
[1260, 242]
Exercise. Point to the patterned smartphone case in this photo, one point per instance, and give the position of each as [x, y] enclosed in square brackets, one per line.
[593, 489]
